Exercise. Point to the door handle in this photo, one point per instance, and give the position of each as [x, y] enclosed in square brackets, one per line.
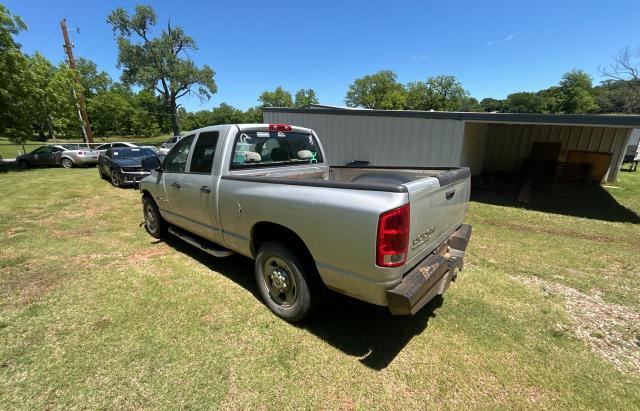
[449, 194]
[205, 189]
[176, 185]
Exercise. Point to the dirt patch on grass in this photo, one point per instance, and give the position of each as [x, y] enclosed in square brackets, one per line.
[610, 330]
[149, 253]
[563, 232]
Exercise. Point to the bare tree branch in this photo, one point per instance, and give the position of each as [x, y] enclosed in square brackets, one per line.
[625, 65]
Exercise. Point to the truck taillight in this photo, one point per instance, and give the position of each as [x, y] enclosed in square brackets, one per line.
[279, 127]
[393, 237]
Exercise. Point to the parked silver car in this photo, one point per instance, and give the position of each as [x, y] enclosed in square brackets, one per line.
[65, 155]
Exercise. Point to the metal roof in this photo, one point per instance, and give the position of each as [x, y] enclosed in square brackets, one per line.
[629, 121]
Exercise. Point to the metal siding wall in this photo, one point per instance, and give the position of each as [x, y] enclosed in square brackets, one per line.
[509, 144]
[384, 141]
[474, 144]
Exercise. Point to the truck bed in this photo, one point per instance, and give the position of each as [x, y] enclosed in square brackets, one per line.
[392, 179]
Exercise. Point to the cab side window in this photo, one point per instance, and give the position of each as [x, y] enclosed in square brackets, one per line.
[204, 152]
[176, 160]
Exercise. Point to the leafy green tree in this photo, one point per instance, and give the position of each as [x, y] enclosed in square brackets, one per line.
[305, 98]
[377, 91]
[441, 93]
[618, 96]
[276, 98]
[50, 98]
[253, 115]
[491, 104]
[575, 93]
[524, 102]
[14, 79]
[162, 63]
[92, 80]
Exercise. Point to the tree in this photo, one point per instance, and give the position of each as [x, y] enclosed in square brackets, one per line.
[524, 102]
[377, 91]
[441, 93]
[575, 93]
[161, 64]
[92, 80]
[491, 104]
[305, 98]
[276, 98]
[622, 92]
[14, 79]
[50, 97]
[625, 66]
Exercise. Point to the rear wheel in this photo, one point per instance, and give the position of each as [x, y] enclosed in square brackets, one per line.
[66, 163]
[283, 282]
[153, 221]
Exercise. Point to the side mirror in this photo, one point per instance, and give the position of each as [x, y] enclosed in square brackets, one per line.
[151, 163]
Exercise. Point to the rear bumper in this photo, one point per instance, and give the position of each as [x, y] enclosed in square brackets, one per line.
[85, 160]
[431, 276]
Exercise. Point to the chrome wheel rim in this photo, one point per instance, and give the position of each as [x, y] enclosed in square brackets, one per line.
[280, 282]
[66, 163]
[114, 180]
[150, 218]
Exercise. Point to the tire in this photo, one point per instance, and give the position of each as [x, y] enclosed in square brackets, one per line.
[284, 284]
[153, 221]
[23, 164]
[102, 176]
[115, 180]
[66, 162]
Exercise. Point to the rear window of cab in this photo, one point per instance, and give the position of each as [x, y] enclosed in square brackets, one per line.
[274, 148]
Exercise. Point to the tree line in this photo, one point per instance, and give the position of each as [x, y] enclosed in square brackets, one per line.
[38, 97]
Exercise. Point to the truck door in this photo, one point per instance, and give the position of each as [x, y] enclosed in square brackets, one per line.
[198, 190]
[175, 166]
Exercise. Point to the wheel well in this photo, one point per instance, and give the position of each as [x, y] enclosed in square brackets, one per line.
[265, 231]
[146, 194]
[68, 158]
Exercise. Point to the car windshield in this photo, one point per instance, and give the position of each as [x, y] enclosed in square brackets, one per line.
[274, 148]
[132, 153]
[70, 147]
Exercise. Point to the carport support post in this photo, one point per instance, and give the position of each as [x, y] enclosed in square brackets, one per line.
[84, 118]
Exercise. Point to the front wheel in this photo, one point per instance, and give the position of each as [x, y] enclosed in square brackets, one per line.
[66, 163]
[153, 221]
[23, 164]
[283, 282]
[115, 179]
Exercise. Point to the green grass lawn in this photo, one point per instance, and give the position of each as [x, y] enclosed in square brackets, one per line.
[96, 314]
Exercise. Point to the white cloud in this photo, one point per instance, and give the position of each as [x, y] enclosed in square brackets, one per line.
[489, 43]
[418, 57]
[511, 37]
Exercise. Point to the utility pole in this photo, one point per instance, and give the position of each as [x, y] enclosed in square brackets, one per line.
[82, 109]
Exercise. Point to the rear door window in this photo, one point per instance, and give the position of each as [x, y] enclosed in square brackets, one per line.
[176, 160]
[204, 152]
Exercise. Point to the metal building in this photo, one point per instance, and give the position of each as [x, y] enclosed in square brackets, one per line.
[485, 142]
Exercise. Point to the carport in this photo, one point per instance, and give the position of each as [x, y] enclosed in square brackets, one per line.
[556, 145]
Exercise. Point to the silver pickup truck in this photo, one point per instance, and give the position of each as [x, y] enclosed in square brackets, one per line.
[389, 236]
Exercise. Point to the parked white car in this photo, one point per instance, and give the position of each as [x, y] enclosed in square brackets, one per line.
[121, 144]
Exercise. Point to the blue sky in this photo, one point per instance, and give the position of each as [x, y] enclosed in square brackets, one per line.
[493, 47]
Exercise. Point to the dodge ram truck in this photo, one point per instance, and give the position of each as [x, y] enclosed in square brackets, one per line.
[391, 236]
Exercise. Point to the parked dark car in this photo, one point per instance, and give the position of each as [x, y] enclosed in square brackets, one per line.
[123, 166]
[65, 155]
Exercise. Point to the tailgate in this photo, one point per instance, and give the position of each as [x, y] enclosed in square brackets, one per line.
[438, 206]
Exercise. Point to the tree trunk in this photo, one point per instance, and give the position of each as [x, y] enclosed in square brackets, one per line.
[174, 117]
